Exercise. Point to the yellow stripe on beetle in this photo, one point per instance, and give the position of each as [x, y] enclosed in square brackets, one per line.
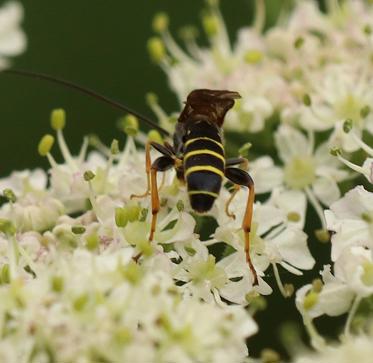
[204, 192]
[203, 152]
[194, 169]
[204, 138]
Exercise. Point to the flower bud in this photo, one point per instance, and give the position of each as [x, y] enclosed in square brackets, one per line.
[322, 235]
[160, 22]
[58, 119]
[310, 300]
[89, 175]
[156, 49]
[298, 43]
[45, 145]
[7, 227]
[335, 151]
[129, 124]
[307, 100]
[78, 229]
[114, 147]
[365, 111]
[9, 194]
[155, 136]
[253, 56]
[347, 126]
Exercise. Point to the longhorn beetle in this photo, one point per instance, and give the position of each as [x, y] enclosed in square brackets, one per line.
[197, 153]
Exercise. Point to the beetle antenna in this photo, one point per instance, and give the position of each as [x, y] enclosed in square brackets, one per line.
[87, 91]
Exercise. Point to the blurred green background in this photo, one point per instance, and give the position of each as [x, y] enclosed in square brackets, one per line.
[102, 45]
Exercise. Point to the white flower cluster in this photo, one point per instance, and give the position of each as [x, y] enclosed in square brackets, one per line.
[92, 287]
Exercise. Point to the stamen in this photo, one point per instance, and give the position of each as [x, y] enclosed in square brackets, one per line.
[83, 151]
[88, 177]
[160, 25]
[351, 314]
[129, 150]
[260, 16]
[317, 341]
[189, 35]
[58, 123]
[94, 141]
[362, 144]
[152, 101]
[44, 147]
[222, 38]
[278, 281]
[352, 166]
[156, 49]
[317, 206]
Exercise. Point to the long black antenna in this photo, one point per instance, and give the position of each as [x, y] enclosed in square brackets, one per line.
[87, 91]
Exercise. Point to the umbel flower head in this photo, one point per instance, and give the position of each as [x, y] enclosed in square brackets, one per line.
[81, 279]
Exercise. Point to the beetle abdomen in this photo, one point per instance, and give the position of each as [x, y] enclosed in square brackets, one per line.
[204, 165]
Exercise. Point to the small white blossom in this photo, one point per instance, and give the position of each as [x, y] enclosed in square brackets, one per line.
[350, 218]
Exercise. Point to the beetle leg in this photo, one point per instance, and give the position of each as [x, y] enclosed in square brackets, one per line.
[241, 178]
[161, 164]
[235, 191]
[166, 150]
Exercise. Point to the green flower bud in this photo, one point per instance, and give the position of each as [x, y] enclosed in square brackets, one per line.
[89, 175]
[58, 119]
[121, 218]
[293, 217]
[78, 229]
[367, 29]
[317, 285]
[80, 302]
[347, 125]
[160, 22]
[45, 145]
[322, 235]
[188, 32]
[7, 227]
[367, 217]
[132, 272]
[335, 151]
[310, 300]
[298, 43]
[94, 140]
[114, 148]
[180, 205]
[92, 241]
[155, 136]
[5, 274]
[57, 283]
[253, 56]
[129, 124]
[210, 24]
[307, 100]
[269, 356]
[151, 98]
[129, 213]
[156, 49]
[143, 214]
[289, 290]
[9, 194]
[244, 149]
[365, 111]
